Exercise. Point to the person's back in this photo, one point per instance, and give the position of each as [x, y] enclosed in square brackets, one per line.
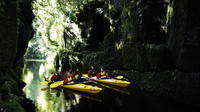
[92, 72]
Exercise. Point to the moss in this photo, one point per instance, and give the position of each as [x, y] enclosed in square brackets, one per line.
[10, 103]
[9, 87]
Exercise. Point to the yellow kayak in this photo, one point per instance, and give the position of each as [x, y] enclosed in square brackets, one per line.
[110, 81]
[74, 86]
[83, 88]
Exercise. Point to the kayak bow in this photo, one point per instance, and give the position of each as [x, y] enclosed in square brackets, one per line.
[74, 86]
[111, 81]
[83, 88]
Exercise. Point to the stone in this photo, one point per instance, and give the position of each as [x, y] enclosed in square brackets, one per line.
[189, 58]
[160, 58]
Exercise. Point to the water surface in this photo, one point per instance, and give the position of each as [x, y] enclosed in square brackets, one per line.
[112, 99]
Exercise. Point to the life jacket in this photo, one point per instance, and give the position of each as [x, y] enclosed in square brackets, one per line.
[66, 80]
[53, 78]
[76, 77]
[57, 77]
[100, 74]
[73, 74]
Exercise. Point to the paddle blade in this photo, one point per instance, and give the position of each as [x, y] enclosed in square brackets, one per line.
[84, 76]
[44, 83]
[119, 77]
[56, 84]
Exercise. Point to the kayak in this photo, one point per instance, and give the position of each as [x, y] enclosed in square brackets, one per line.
[74, 86]
[111, 81]
[83, 88]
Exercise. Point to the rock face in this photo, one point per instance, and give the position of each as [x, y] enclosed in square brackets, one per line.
[93, 24]
[183, 32]
[8, 32]
[15, 32]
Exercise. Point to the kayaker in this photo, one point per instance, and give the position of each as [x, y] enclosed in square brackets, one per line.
[57, 77]
[92, 72]
[102, 73]
[75, 76]
[67, 77]
[67, 73]
[66, 80]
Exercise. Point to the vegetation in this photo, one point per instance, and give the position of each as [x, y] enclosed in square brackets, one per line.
[55, 23]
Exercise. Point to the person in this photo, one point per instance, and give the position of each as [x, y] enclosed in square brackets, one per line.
[67, 76]
[92, 72]
[75, 76]
[67, 73]
[102, 73]
[66, 80]
[57, 77]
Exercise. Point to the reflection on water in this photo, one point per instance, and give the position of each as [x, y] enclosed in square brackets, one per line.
[45, 99]
[110, 100]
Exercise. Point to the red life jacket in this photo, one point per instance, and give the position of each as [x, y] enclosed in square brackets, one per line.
[56, 77]
[65, 81]
[101, 74]
[73, 74]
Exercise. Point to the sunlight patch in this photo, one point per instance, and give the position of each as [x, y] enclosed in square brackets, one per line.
[119, 45]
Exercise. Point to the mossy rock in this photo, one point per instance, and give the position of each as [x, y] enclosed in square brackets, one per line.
[92, 59]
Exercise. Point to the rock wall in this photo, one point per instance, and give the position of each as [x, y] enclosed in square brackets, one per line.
[183, 40]
[137, 38]
[93, 24]
[15, 32]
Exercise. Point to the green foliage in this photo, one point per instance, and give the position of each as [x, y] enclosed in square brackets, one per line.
[121, 16]
[51, 71]
[55, 24]
[11, 103]
[9, 86]
[71, 7]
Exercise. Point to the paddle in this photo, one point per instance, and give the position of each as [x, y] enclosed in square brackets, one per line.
[85, 76]
[47, 81]
[119, 77]
[56, 84]
[44, 83]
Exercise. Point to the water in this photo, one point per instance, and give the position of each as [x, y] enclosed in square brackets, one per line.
[112, 99]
